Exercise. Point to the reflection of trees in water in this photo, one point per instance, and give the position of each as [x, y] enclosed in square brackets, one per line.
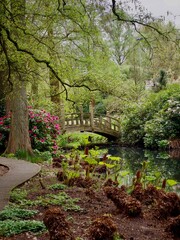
[158, 161]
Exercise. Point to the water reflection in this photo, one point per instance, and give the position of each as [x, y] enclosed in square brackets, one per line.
[166, 163]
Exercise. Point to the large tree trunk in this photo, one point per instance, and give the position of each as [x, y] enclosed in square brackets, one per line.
[19, 133]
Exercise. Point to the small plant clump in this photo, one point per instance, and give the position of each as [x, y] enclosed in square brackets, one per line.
[61, 175]
[57, 186]
[57, 161]
[13, 220]
[123, 201]
[174, 226]
[58, 227]
[166, 204]
[102, 228]
[81, 182]
[110, 183]
[12, 227]
[16, 213]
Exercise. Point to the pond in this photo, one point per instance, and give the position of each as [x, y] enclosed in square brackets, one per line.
[162, 165]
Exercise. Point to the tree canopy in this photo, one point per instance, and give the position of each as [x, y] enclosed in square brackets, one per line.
[77, 50]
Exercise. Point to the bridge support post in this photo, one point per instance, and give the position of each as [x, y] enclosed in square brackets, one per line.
[108, 119]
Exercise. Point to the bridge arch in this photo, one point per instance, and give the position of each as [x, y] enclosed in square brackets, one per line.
[106, 126]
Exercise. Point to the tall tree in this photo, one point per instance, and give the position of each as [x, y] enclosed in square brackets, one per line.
[19, 133]
[76, 58]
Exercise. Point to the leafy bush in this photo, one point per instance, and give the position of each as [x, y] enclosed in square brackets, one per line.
[4, 130]
[43, 130]
[155, 120]
[164, 125]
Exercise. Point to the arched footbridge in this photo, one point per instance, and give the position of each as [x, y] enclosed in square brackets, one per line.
[104, 125]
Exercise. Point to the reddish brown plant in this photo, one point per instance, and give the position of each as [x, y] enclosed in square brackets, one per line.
[57, 225]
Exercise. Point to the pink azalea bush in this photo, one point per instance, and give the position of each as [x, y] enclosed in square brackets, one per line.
[43, 130]
[4, 130]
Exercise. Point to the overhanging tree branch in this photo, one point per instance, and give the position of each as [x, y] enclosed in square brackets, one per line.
[133, 21]
[47, 63]
[2, 43]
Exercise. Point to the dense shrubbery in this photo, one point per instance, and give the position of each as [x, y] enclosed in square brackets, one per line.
[43, 130]
[155, 120]
[4, 130]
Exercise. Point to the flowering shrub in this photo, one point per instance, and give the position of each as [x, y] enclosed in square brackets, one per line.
[43, 130]
[4, 130]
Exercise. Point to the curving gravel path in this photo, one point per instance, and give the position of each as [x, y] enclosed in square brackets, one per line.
[19, 172]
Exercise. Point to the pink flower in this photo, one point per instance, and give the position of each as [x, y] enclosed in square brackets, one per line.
[57, 127]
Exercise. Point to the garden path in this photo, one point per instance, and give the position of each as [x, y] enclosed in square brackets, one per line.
[19, 172]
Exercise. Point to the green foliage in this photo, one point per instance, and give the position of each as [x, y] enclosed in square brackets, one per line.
[18, 195]
[57, 186]
[118, 236]
[149, 175]
[16, 213]
[77, 139]
[171, 182]
[11, 227]
[60, 199]
[13, 221]
[156, 120]
[45, 156]
[22, 154]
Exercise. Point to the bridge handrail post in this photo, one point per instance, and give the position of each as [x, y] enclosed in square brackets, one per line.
[100, 122]
[108, 120]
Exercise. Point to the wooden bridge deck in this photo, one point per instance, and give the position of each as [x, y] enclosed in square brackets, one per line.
[104, 125]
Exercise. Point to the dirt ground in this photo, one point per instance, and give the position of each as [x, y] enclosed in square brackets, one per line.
[3, 170]
[149, 220]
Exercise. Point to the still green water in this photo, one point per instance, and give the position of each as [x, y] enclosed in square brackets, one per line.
[163, 164]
